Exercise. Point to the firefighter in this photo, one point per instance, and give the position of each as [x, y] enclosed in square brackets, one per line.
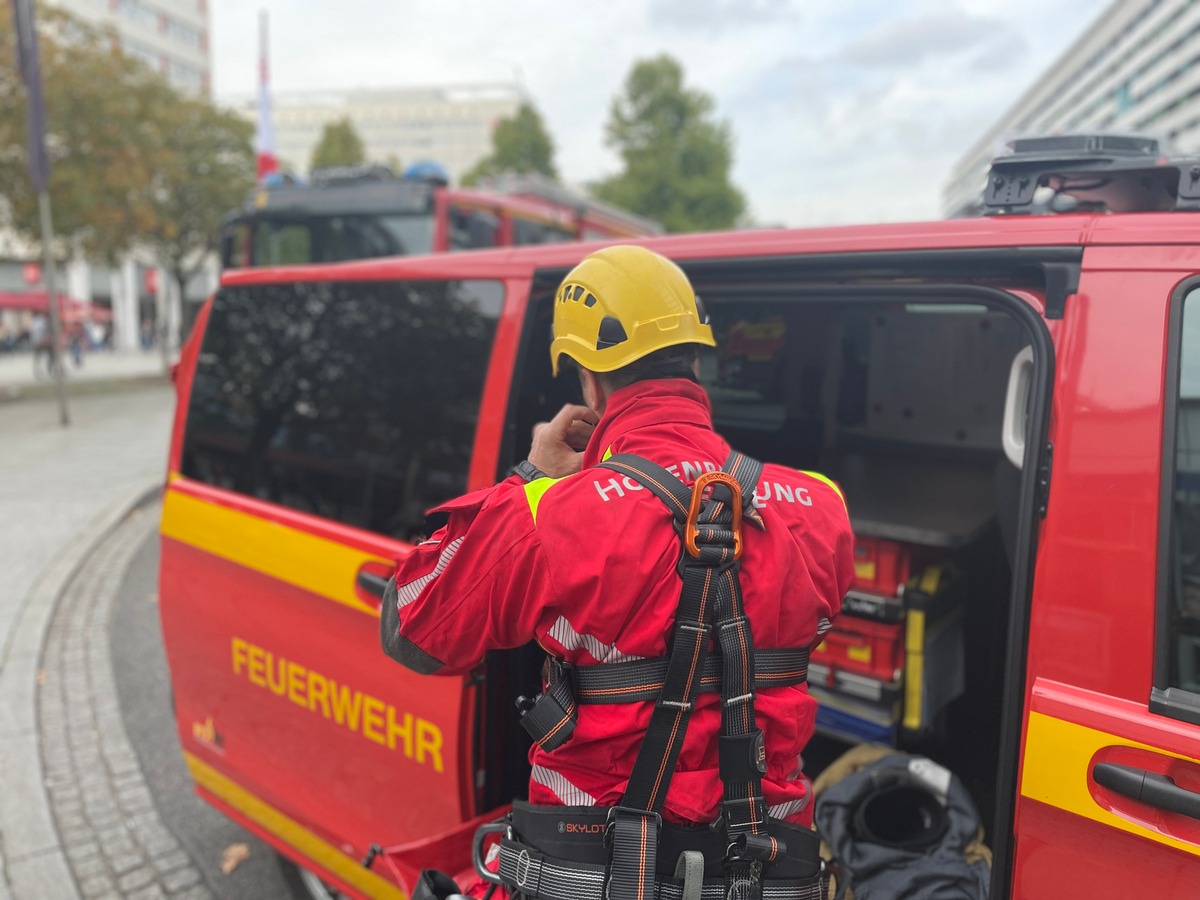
[576, 550]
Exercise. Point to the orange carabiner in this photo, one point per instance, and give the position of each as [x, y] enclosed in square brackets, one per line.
[698, 489]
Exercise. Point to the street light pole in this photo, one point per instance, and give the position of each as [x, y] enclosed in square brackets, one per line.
[54, 309]
[39, 174]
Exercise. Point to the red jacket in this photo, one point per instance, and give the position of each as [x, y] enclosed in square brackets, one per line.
[585, 565]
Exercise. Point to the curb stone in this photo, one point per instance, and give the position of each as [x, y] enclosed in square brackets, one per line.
[32, 858]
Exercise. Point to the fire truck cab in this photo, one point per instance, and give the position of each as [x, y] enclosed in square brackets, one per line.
[1009, 404]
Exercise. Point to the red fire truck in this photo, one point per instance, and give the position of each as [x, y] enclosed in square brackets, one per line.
[1008, 402]
[367, 212]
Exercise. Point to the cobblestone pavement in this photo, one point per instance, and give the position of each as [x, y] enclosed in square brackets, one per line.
[115, 843]
[61, 490]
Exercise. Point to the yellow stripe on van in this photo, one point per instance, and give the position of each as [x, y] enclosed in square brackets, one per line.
[290, 832]
[1058, 755]
[316, 564]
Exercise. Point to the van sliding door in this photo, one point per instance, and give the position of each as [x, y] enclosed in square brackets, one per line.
[1110, 777]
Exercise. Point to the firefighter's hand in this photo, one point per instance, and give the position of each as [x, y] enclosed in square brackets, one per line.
[558, 444]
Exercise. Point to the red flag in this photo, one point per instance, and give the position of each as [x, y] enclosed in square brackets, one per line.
[264, 139]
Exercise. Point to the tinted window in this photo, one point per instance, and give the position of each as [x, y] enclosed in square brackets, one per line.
[353, 401]
[472, 229]
[527, 231]
[1182, 626]
[337, 238]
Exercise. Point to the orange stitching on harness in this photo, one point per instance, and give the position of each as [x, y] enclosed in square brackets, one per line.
[561, 722]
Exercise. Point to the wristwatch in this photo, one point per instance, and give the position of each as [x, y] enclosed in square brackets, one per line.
[528, 471]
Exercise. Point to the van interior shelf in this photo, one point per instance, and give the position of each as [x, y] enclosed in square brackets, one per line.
[933, 502]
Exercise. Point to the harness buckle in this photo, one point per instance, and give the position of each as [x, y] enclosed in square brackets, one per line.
[691, 526]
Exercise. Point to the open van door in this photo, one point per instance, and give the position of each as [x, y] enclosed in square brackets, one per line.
[1109, 788]
[312, 447]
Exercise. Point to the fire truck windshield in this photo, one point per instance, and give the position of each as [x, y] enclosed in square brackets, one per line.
[295, 239]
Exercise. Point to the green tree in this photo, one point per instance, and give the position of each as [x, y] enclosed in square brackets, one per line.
[676, 156]
[520, 144]
[339, 145]
[208, 170]
[104, 135]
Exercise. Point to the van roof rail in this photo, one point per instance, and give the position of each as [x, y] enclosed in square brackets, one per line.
[1112, 172]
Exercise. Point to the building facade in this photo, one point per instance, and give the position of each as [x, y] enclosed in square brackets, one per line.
[1135, 70]
[451, 125]
[172, 36]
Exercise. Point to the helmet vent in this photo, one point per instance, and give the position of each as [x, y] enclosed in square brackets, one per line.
[589, 301]
[612, 332]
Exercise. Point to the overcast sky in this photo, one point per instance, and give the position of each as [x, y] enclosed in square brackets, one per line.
[842, 110]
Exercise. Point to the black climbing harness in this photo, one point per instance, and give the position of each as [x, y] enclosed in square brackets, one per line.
[627, 852]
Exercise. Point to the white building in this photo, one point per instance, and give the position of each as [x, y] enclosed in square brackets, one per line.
[172, 36]
[1136, 69]
[449, 125]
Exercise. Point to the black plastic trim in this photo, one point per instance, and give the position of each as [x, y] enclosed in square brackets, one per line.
[373, 584]
[1165, 699]
[1017, 266]
[1176, 703]
[1062, 280]
[1151, 788]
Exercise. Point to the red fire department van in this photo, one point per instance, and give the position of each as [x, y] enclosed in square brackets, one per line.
[1011, 405]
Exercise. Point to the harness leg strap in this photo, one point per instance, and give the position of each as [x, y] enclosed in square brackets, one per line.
[634, 836]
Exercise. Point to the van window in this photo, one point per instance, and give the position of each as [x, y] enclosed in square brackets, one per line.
[1181, 627]
[354, 401]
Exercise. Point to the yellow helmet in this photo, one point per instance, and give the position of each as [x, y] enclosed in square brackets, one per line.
[622, 303]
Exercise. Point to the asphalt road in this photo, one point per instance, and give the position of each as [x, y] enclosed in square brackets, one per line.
[143, 686]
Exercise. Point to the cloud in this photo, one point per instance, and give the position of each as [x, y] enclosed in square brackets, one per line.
[910, 42]
[714, 15]
[1002, 53]
[841, 110]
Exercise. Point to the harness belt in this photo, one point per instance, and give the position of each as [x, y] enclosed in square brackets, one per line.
[752, 857]
[566, 834]
[532, 874]
[550, 718]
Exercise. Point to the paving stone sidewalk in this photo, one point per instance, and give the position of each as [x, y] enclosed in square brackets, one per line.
[114, 840]
[61, 492]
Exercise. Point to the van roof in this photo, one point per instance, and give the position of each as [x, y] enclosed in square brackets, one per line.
[1070, 230]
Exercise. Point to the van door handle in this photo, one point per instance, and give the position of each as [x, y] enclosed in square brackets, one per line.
[1148, 787]
[371, 583]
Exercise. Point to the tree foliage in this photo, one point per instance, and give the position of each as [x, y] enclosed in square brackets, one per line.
[339, 145]
[520, 144]
[208, 170]
[133, 162]
[676, 156]
[102, 138]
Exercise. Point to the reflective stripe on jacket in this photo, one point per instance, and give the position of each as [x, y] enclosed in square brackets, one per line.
[586, 566]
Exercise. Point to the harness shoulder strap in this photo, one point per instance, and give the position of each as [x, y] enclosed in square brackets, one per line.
[669, 489]
[708, 566]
